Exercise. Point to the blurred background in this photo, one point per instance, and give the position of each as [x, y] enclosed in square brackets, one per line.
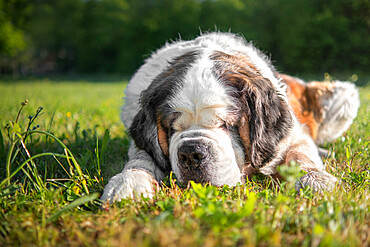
[39, 37]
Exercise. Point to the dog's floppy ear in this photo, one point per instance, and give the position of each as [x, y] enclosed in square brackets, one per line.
[147, 128]
[145, 132]
[269, 119]
[265, 115]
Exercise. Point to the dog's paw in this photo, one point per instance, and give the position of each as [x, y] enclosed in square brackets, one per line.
[131, 183]
[317, 180]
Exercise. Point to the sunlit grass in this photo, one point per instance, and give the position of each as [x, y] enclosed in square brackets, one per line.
[91, 104]
[84, 116]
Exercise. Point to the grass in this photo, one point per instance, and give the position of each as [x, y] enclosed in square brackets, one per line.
[46, 202]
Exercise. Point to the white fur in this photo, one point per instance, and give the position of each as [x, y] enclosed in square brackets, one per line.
[139, 177]
[129, 184]
[202, 100]
[339, 111]
[225, 169]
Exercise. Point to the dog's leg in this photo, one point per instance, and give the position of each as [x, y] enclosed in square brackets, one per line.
[139, 177]
[304, 152]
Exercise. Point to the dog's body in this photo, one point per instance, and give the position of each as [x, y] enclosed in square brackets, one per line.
[214, 110]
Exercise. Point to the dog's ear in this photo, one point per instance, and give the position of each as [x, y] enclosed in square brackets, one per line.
[149, 136]
[269, 120]
[265, 114]
[149, 129]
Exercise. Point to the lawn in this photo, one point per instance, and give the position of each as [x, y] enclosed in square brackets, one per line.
[52, 200]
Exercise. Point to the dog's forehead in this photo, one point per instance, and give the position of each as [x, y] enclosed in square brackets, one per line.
[202, 99]
[200, 89]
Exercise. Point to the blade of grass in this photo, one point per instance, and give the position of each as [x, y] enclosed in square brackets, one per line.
[69, 175]
[36, 185]
[2, 147]
[49, 127]
[104, 147]
[75, 203]
[69, 155]
[7, 179]
[8, 161]
[33, 169]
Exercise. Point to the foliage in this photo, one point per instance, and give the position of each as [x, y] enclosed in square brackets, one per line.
[13, 41]
[46, 205]
[113, 36]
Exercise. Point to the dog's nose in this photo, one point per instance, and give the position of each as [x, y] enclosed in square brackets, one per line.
[192, 154]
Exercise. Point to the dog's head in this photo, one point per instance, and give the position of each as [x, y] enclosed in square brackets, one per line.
[209, 115]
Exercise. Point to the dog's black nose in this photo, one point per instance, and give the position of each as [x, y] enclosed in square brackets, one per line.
[192, 154]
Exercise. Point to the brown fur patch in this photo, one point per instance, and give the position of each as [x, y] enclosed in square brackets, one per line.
[244, 136]
[236, 69]
[305, 100]
[316, 91]
[298, 100]
[162, 137]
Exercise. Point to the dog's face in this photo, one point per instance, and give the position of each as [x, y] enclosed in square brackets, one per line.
[205, 146]
[210, 115]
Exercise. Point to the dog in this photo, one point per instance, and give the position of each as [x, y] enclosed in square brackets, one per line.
[214, 110]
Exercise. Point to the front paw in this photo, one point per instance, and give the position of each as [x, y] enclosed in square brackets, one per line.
[318, 180]
[131, 183]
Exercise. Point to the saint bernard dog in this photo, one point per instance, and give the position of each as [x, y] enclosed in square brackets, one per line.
[214, 110]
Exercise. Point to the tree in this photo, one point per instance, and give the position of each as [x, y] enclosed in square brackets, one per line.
[12, 38]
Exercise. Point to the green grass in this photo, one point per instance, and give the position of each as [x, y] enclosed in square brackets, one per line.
[46, 203]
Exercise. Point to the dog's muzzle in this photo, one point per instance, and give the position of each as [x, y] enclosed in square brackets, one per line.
[204, 156]
[195, 156]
